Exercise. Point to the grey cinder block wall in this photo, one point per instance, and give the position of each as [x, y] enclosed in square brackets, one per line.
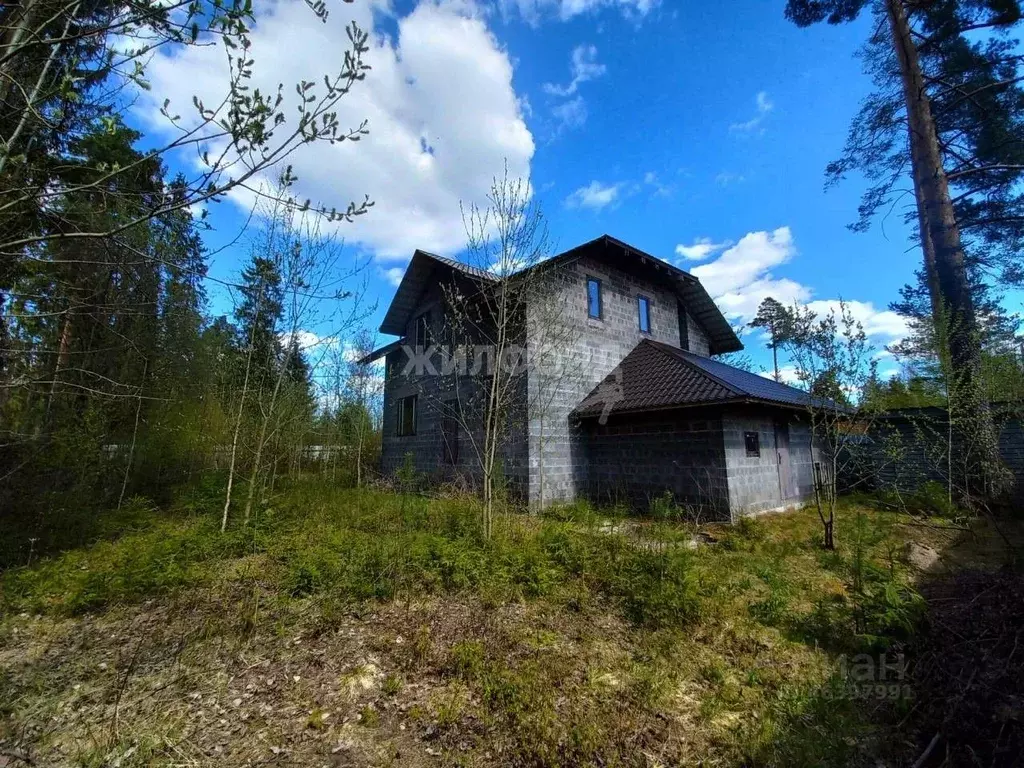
[426, 449]
[699, 456]
[558, 466]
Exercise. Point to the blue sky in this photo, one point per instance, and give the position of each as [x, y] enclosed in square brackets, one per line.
[696, 131]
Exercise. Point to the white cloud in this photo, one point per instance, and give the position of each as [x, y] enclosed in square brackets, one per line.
[594, 196]
[534, 11]
[701, 248]
[394, 275]
[584, 67]
[660, 190]
[753, 125]
[744, 275]
[881, 323]
[740, 279]
[441, 109]
[570, 114]
[571, 111]
[728, 178]
[308, 340]
[788, 374]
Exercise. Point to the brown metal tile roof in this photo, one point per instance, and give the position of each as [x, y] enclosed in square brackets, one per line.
[656, 375]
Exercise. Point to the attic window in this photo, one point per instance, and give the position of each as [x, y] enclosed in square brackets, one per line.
[594, 308]
[753, 443]
[643, 308]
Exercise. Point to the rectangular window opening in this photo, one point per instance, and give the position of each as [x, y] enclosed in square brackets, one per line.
[684, 329]
[753, 443]
[594, 308]
[643, 307]
[422, 339]
[407, 416]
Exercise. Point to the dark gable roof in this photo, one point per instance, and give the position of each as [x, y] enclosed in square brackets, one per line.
[422, 270]
[655, 376]
[424, 266]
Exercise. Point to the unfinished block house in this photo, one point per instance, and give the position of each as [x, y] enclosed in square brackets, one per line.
[646, 411]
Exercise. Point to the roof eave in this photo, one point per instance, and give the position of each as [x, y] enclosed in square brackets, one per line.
[682, 406]
[377, 354]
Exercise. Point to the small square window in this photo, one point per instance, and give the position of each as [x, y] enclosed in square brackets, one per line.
[407, 416]
[753, 443]
[643, 307]
[594, 307]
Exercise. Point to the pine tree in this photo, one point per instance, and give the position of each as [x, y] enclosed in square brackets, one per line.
[778, 322]
[914, 35]
[259, 316]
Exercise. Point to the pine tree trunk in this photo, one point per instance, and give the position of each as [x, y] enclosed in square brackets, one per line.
[951, 288]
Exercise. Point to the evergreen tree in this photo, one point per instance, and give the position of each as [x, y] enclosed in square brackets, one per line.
[932, 75]
[773, 317]
[259, 316]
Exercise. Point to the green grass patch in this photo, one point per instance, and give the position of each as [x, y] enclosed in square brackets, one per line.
[738, 640]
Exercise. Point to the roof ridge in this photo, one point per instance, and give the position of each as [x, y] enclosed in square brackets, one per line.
[668, 349]
[469, 269]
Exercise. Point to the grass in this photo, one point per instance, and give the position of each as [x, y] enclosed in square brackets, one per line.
[387, 624]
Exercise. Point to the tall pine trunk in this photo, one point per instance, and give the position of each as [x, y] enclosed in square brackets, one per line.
[977, 446]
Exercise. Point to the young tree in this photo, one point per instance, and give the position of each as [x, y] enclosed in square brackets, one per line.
[258, 318]
[833, 363]
[362, 387]
[514, 317]
[911, 31]
[294, 265]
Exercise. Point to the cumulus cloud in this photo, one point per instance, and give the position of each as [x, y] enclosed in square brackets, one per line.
[701, 248]
[744, 275]
[594, 196]
[535, 11]
[880, 323]
[741, 278]
[753, 125]
[441, 109]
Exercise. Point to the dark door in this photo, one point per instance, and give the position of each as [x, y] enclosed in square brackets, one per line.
[782, 455]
